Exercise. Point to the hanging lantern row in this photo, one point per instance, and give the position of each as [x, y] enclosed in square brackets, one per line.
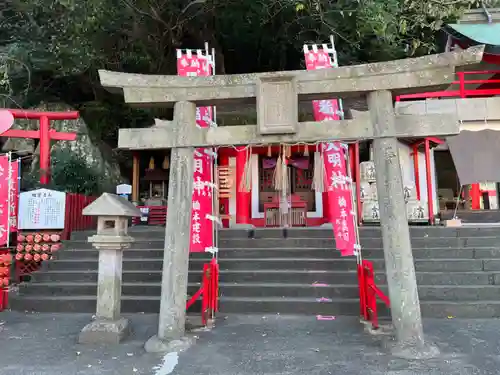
[38, 238]
[5, 262]
[37, 247]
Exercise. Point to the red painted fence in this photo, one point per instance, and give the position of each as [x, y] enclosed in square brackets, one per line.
[74, 219]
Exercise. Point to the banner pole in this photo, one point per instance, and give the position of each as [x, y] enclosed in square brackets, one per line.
[215, 208]
[9, 192]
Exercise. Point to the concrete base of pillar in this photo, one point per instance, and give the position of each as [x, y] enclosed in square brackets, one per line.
[103, 331]
[411, 351]
[157, 345]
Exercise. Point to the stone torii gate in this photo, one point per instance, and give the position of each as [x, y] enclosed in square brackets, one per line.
[277, 95]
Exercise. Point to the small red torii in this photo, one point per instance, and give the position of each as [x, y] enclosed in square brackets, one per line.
[44, 133]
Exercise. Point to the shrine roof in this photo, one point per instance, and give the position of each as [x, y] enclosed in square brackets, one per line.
[477, 34]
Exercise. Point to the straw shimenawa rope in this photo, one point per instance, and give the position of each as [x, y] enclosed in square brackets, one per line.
[246, 182]
[318, 183]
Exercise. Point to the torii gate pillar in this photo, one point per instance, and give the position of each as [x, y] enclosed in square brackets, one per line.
[399, 265]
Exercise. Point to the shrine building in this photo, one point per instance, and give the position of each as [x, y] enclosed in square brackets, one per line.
[430, 166]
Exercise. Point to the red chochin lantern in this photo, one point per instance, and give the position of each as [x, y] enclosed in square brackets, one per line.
[55, 237]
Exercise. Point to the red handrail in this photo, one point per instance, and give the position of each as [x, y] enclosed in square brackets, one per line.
[368, 293]
[462, 92]
[209, 291]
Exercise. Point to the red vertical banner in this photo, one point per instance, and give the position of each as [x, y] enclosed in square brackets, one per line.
[4, 199]
[14, 195]
[338, 184]
[201, 238]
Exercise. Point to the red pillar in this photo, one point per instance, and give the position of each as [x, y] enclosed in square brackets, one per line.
[416, 171]
[243, 198]
[430, 201]
[44, 150]
[224, 202]
[475, 196]
[357, 173]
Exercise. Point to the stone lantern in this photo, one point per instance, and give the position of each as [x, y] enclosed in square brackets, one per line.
[113, 213]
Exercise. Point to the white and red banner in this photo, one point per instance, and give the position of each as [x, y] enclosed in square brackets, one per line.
[338, 183]
[202, 226]
[14, 195]
[9, 172]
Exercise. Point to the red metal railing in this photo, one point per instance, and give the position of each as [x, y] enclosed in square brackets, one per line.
[368, 293]
[74, 220]
[461, 91]
[209, 291]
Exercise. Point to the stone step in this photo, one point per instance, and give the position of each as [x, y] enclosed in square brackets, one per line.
[321, 242]
[158, 233]
[137, 245]
[316, 264]
[478, 278]
[242, 305]
[150, 304]
[365, 232]
[68, 276]
[258, 290]
[324, 241]
[430, 309]
[293, 253]
[90, 289]
[305, 264]
[79, 254]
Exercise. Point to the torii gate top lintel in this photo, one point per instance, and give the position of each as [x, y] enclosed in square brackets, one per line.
[398, 76]
[277, 96]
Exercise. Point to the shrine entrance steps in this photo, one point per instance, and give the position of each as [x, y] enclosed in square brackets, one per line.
[458, 273]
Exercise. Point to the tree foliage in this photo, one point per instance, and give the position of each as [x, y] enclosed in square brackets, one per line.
[53, 48]
[69, 173]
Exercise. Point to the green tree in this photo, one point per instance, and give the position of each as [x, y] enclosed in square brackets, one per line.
[53, 48]
[69, 173]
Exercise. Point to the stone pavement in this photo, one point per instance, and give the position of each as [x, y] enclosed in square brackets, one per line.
[45, 344]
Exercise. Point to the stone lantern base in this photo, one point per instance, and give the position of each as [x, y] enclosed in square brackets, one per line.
[103, 331]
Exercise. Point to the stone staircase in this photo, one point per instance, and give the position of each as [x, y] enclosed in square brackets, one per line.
[458, 272]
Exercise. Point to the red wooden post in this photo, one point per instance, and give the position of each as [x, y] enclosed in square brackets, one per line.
[415, 170]
[44, 150]
[242, 197]
[475, 196]
[430, 196]
[358, 183]
[44, 133]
